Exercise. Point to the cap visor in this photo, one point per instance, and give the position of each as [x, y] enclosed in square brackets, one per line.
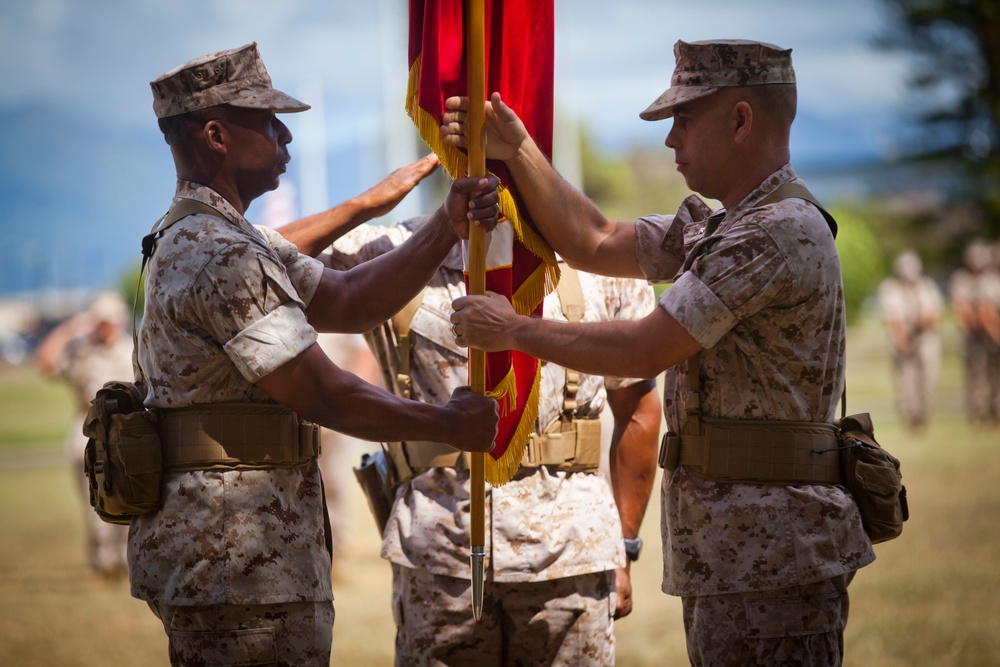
[663, 106]
[268, 98]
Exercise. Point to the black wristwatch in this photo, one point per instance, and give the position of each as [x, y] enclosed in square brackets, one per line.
[633, 547]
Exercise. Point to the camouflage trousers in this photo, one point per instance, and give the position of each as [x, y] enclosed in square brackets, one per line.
[915, 372]
[982, 378]
[562, 622]
[796, 627]
[280, 635]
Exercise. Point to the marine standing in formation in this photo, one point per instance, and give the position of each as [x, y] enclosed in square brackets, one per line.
[911, 305]
[87, 350]
[975, 302]
[752, 328]
[558, 564]
[236, 562]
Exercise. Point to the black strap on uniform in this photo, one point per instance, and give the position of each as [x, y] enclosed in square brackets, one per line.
[182, 209]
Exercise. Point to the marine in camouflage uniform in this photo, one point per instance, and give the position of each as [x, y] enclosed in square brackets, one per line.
[990, 314]
[86, 351]
[554, 537]
[974, 304]
[236, 562]
[911, 306]
[756, 296]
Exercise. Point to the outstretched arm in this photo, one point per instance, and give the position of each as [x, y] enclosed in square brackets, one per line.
[569, 221]
[314, 233]
[624, 348]
[633, 466]
[55, 343]
[320, 391]
[358, 300]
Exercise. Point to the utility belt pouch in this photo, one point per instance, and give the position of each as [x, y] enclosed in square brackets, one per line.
[573, 445]
[670, 451]
[872, 476]
[123, 459]
[414, 457]
[378, 482]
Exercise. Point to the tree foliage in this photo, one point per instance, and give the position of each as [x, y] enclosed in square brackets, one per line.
[956, 87]
[862, 260]
[127, 284]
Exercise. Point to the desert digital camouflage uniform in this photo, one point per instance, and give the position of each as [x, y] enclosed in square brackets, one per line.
[86, 363]
[990, 292]
[911, 305]
[970, 290]
[224, 307]
[762, 295]
[553, 539]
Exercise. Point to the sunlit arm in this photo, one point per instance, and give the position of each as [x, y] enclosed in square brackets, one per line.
[358, 300]
[320, 391]
[315, 233]
[636, 409]
[570, 222]
[624, 348]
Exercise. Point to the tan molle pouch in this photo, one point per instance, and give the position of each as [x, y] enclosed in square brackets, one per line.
[573, 445]
[872, 476]
[123, 459]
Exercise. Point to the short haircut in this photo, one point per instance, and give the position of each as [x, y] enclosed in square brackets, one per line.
[777, 101]
[176, 129]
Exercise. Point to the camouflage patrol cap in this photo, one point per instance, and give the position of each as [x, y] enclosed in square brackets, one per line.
[236, 77]
[705, 67]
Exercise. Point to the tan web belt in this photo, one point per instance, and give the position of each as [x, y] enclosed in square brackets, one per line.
[557, 450]
[235, 435]
[757, 451]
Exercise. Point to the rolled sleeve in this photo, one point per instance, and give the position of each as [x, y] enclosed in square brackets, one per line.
[659, 247]
[698, 310]
[270, 342]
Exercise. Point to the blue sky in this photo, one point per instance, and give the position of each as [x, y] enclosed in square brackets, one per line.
[84, 172]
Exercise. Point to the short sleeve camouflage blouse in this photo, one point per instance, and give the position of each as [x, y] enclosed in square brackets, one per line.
[763, 297]
[224, 307]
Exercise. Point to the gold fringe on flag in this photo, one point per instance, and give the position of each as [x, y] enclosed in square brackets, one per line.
[500, 471]
[540, 283]
[545, 278]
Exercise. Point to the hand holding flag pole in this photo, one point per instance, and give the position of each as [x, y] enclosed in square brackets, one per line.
[475, 64]
[447, 37]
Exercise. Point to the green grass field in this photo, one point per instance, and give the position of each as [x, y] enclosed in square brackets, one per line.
[931, 598]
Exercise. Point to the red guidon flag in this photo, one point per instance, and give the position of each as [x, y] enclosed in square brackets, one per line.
[519, 264]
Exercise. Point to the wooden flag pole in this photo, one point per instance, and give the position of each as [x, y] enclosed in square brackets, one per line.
[476, 68]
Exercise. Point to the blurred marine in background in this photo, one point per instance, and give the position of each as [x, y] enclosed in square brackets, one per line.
[911, 305]
[975, 303]
[86, 351]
